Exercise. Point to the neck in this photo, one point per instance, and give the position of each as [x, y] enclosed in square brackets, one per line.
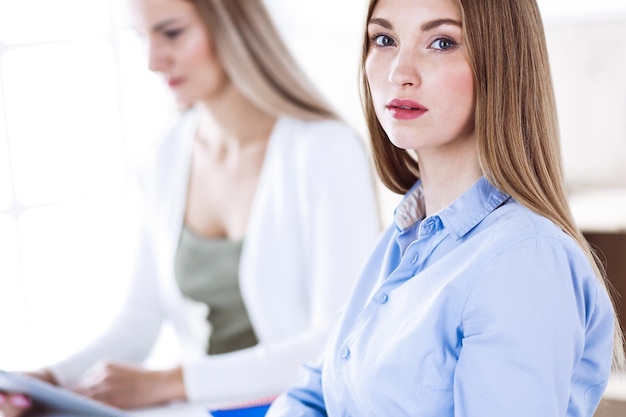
[232, 121]
[446, 176]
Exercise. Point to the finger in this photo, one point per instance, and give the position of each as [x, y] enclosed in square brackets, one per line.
[14, 405]
[20, 401]
[95, 391]
[15, 400]
[3, 400]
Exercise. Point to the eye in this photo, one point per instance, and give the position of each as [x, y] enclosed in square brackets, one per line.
[383, 40]
[443, 44]
[173, 33]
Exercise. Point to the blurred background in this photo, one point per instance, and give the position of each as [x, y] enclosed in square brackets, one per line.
[78, 107]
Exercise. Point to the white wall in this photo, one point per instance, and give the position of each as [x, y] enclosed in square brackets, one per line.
[588, 60]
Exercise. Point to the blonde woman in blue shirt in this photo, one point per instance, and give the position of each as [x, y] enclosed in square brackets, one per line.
[482, 299]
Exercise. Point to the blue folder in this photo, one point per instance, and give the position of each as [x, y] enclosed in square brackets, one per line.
[255, 411]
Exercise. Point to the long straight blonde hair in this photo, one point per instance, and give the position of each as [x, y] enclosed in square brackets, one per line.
[515, 119]
[257, 60]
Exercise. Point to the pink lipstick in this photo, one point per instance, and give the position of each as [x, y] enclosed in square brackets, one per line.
[174, 82]
[405, 109]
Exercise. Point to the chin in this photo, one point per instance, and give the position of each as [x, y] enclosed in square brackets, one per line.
[183, 104]
[403, 142]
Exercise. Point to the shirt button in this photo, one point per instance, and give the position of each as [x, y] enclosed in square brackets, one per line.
[414, 259]
[345, 353]
[382, 298]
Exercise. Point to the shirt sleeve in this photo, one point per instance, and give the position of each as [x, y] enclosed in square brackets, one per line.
[536, 335]
[302, 400]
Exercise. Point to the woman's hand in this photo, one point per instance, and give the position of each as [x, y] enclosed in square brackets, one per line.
[14, 404]
[17, 404]
[129, 387]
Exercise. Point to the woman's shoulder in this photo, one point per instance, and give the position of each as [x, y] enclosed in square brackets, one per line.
[516, 250]
[174, 141]
[320, 132]
[513, 225]
[523, 222]
[315, 145]
[177, 134]
[161, 158]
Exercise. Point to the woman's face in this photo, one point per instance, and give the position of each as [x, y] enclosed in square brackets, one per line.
[180, 49]
[419, 74]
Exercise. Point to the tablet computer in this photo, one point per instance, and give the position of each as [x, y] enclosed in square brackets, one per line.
[56, 400]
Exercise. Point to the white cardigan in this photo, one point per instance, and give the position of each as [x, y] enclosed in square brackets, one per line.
[313, 222]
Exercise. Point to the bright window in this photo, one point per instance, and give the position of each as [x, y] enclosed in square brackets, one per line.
[33, 21]
[12, 305]
[62, 121]
[6, 189]
[77, 105]
[73, 272]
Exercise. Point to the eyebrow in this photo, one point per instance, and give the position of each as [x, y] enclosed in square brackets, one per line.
[439, 22]
[163, 25]
[431, 24]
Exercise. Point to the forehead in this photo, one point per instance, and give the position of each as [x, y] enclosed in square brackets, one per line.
[147, 13]
[416, 12]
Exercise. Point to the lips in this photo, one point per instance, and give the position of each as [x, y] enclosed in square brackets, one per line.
[174, 82]
[405, 109]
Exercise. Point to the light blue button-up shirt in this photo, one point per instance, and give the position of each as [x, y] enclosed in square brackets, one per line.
[484, 309]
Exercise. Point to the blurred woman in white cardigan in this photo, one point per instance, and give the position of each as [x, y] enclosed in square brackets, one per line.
[258, 167]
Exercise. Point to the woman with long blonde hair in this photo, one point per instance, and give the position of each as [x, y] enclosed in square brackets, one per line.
[259, 212]
[482, 298]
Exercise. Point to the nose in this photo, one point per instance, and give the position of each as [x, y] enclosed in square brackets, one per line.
[404, 70]
[157, 58]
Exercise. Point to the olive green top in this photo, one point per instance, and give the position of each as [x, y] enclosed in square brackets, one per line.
[207, 270]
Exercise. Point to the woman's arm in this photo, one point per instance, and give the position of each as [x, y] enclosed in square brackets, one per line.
[537, 335]
[305, 399]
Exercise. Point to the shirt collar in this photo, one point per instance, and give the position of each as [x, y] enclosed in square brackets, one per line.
[459, 217]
